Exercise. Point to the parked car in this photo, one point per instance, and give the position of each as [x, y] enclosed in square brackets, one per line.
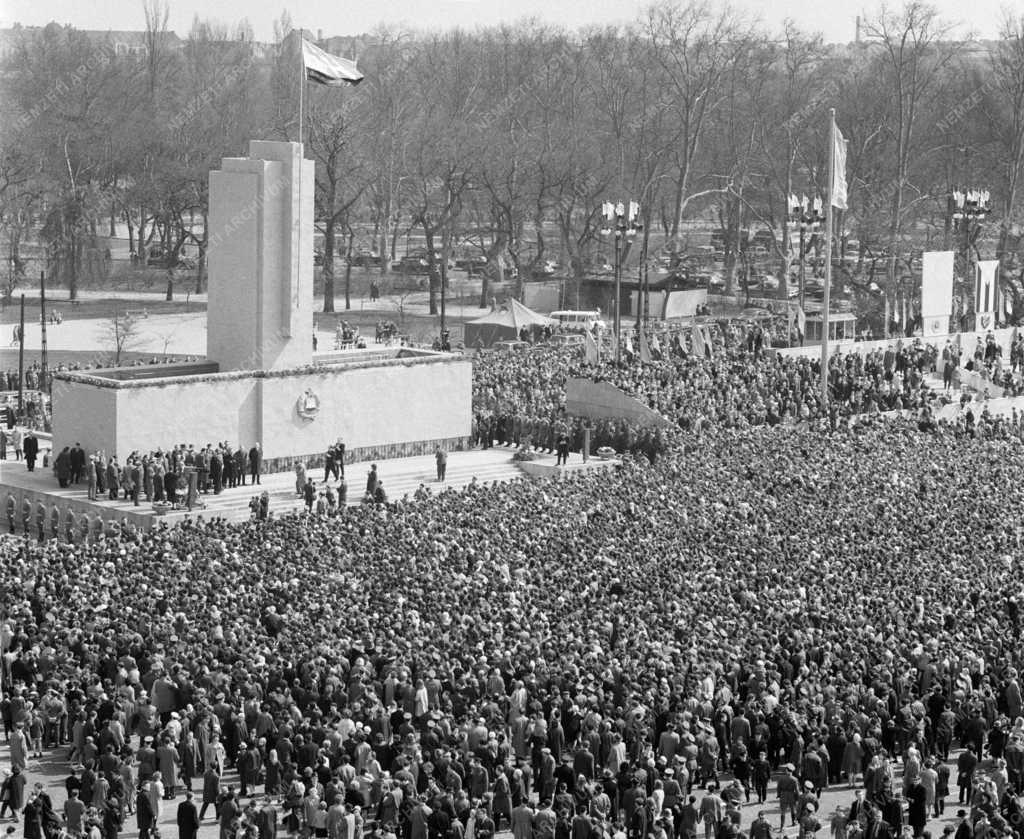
[472, 264]
[412, 263]
[547, 268]
[366, 259]
[510, 346]
[159, 258]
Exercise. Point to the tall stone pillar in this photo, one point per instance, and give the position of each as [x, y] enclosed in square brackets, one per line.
[260, 259]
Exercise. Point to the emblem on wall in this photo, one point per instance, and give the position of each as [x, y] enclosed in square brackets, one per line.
[308, 405]
[936, 327]
[986, 321]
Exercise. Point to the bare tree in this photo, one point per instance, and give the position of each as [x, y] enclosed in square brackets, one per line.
[120, 335]
[913, 59]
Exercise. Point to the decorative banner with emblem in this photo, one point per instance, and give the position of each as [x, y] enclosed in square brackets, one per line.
[936, 292]
[986, 292]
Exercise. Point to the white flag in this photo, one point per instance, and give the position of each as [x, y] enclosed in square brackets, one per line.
[324, 68]
[839, 171]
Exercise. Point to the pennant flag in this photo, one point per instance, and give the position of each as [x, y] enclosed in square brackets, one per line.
[801, 320]
[697, 340]
[590, 350]
[655, 344]
[839, 172]
[629, 344]
[324, 68]
[645, 351]
[681, 343]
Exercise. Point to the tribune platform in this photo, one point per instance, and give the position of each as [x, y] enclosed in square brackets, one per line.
[400, 476]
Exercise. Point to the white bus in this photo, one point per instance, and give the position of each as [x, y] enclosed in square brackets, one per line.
[574, 321]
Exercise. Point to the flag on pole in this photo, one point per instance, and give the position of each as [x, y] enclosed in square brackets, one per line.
[705, 337]
[839, 172]
[324, 68]
[655, 343]
[645, 351]
[801, 320]
[629, 344]
[590, 351]
[697, 340]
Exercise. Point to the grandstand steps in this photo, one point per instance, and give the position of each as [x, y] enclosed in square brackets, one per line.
[400, 476]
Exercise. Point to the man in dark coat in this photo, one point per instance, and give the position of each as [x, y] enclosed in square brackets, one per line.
[62, 466]
[77, 458]
[255, 463]
[31, 449]
[917, 815]
[13, 792]
[188, 818]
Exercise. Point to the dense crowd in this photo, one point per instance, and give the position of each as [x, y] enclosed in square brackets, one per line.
[568, 658]
[158, 475]
[736, 383]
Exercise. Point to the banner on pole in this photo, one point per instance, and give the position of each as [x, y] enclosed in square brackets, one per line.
[936, 292]
[985, 295]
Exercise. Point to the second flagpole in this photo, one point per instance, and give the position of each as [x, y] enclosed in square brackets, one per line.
[828, 256]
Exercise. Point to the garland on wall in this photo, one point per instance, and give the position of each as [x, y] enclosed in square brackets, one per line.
[236, 375]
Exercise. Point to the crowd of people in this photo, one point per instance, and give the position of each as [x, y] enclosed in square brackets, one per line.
[703, 641]
[158, 476]
[630, 654]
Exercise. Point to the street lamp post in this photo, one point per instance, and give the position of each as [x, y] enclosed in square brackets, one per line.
[624, 221]
[805, 215]
[969, 206]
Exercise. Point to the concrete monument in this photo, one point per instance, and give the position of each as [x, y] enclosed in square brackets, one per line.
[261, 381]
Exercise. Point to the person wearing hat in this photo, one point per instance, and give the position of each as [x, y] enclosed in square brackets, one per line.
[787, 791]
[964, 828]
[12, 792]
[966, 763]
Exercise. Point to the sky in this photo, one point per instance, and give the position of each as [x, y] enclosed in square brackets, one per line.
[834, 19]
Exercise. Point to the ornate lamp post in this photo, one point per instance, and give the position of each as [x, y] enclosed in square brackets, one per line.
[624, 221]
[970, 207]
[805, 215]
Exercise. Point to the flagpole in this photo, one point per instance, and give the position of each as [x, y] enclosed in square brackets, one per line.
[302, 83]
[828, 255]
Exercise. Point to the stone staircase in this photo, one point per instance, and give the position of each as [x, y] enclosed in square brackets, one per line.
[400, 476]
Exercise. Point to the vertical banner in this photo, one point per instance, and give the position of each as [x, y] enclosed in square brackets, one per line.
[985, 295]
[936, 292]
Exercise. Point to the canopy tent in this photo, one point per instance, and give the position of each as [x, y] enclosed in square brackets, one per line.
[502, 324]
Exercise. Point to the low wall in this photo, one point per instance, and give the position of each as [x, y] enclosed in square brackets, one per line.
[86, 518]
[967, 341]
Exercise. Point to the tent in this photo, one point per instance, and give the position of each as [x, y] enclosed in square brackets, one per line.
[502, 324]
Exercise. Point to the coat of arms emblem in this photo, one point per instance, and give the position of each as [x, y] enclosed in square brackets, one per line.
[308, 405]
